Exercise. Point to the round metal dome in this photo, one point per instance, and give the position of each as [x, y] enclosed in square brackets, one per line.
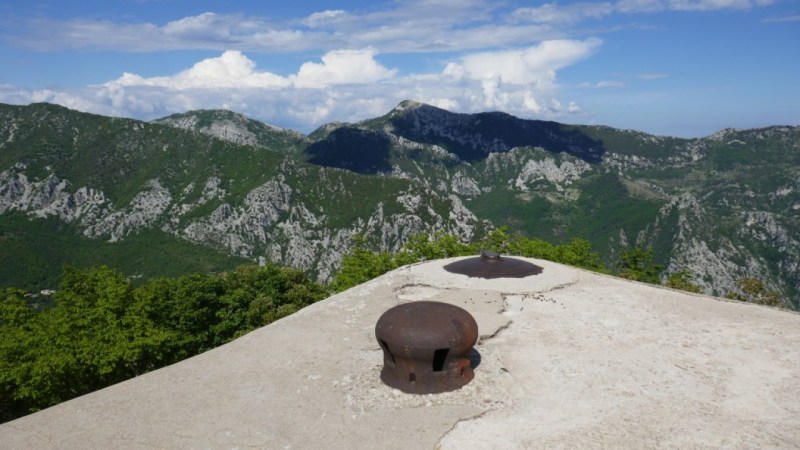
[492, 265]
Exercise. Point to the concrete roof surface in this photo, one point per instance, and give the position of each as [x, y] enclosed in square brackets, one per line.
[568, 359]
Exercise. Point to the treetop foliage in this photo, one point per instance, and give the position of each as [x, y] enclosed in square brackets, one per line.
[753, 290]
[103, 330]
[682, 280]
[637, 264]
[362, 264]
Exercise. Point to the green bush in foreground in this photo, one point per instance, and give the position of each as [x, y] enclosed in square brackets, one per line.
[682, 281]
[637, 264]
[753, 290]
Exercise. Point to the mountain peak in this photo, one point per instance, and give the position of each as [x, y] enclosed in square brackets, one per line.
[408, 104]
[413, 106]
[473, 137]
[236, 127]
[206, 116]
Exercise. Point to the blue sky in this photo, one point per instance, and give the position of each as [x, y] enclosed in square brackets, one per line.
[669, 67]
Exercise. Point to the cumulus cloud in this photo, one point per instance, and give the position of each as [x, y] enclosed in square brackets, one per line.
[230, 70]
[347, 85]
[234, 70]
[342, 67]
[521, 81]
[534, 65]
[82, 101]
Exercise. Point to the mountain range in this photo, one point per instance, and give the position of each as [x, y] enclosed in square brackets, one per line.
[207, 190]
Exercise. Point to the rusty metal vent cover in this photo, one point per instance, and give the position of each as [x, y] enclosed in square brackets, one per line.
[492, 265]
[426, 346]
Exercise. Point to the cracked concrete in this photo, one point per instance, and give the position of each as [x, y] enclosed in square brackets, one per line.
[566, 358]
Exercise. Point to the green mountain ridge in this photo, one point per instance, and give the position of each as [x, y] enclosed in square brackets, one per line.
[114, 178]
[722, 207]
[237, 128]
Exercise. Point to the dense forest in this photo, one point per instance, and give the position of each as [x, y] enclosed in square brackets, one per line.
[100, 328]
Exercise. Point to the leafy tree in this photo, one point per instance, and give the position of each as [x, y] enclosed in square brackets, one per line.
[423, 247]
[361, 265]
[15, 326]
[498, 240]
[577, 253]
[681, 280]
[102, 330]
[753, 290]
[637, 264]
[93, 336]
[13, 309]
[187, 306]
[255, 296]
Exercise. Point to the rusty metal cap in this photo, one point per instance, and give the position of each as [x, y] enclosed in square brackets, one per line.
[492, 265]
[426, 346]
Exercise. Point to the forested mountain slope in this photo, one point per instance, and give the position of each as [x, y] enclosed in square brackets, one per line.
[724, 207]
[112, 179]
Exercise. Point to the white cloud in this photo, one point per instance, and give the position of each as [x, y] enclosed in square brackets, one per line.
[390, 26]
[204, 25]
[795, 18]
[233, 70]
[716, 5]
[639, 6]
[398, 26]
[342, 67]
[327, 17]
[394, 28]
[522, 82]
[534, 65]
[302, 100]
[653, 76]
[602, 84]
[230, 70]
[70, 100]
[347, 85]
[554, 13]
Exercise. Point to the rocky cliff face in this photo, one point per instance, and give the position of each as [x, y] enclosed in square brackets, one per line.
[272, 222]
[237, 128]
